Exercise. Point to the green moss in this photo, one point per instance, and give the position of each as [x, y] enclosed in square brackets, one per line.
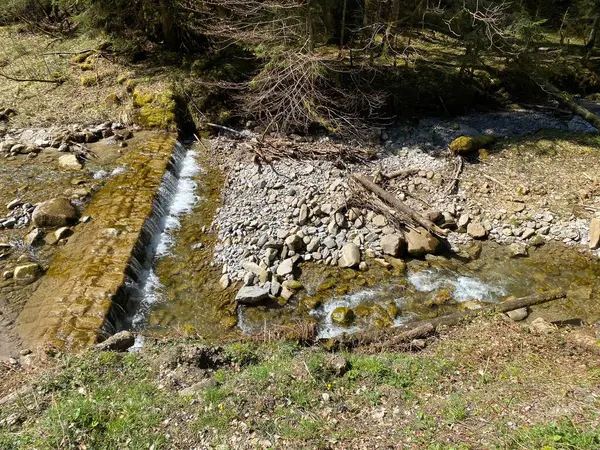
[467, 144]
[342, 316]
[155, 110]
[89, 80]
[81, 58]
[86, 66]
[130, 84]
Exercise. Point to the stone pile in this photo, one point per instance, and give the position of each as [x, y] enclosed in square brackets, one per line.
[31, 142]
[18, 215]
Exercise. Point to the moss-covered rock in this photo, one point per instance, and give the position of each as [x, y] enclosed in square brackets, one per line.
[467, 144]
[311, 302]
[342, 316]
[155, 110]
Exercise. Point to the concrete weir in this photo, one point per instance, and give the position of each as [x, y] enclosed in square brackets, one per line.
[86, 290]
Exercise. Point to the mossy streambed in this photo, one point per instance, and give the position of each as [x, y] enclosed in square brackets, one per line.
[187, 298]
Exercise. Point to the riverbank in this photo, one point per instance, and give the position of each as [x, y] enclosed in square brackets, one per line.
[491, 384]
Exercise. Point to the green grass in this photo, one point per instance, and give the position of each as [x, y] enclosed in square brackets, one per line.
[290, 396]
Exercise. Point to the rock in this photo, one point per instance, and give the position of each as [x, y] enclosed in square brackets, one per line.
[594, 235]
[420, 244]
[463, 221]
[467, 144]
[251, 295]
[62, 233]
[34, 237]
[379, 221]
[254, 268]
[18, 148]
[275, 288]
[119, 342]
[8, 274]
[537, 241]
[224, 281]
[527, 233]
[313, 245]
[342, 315]
[56, 212]
[329, 242]
[391, 244]
[27, 273]
[540, 326]
[516, 250]
[476, 230]
[350, 256]
[303, 217]
[398, 264]
[293, 285]
[64, 148]
[294, 243]
[197, 388]
[13, 204]
[286, 267]
[518, 314]
[286, 293]
[69, 162]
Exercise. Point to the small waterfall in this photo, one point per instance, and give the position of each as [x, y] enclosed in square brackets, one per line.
[175, 196]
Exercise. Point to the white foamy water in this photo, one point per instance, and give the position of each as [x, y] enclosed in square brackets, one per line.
[465, 288]
[183, 202]
[180, 195]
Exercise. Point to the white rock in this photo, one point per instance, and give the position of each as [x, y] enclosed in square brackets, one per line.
[350, 255]
[69, 162]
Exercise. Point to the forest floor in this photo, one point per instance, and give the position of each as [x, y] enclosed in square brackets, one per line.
[490, 384]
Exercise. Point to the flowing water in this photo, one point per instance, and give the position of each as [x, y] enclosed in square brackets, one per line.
[180, 292]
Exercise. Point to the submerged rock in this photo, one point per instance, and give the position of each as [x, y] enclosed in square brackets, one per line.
[69, 162]
[342, 315]
[251, 295]
[517, 250]
[56, 212]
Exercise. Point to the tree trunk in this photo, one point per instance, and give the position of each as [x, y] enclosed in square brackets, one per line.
[343, 27]
[592, 39]
[168, 25]
[575, 108]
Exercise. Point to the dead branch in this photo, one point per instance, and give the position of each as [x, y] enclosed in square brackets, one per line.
[400, 206]
[423, 328]
[56, 81]
[455, 179]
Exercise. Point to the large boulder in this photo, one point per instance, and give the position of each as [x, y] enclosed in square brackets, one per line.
[468, 144]
[56, 212]
[252, 295]
[350, 256]
[421, 243]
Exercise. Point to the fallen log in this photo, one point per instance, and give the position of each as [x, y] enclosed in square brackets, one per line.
[408, 332]
[496, 308]
[399, 206]
[575, 107]
[399, 173]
